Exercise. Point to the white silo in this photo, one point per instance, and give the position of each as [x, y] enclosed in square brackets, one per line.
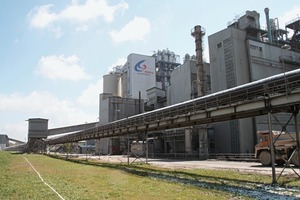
[110, 84]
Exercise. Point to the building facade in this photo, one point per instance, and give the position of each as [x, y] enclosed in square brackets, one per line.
[239, 54]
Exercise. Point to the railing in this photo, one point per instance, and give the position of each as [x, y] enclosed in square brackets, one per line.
[262, 90]
[218, 156]
[233, 157]
[176, 155]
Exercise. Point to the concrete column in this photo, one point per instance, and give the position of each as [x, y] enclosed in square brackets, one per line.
[203, 143]
[98, 147]
[147, 149]
[188, 140]
[272, 148]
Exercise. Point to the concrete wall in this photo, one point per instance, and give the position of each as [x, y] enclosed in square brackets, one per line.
[267, 60]
[114, 108]
[104, 108]
[181, 83]
[140, 75]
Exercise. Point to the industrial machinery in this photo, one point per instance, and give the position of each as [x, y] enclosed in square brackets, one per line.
[285, 147]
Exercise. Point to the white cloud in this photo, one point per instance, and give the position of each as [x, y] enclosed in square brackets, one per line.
[61, 67]
[82, 28]
[56, 31]
[37, 104]
[136, 29]
[43, 17]
[17, 130]
[91, 10]
[90, 96]
[119, 62]
[288, 16]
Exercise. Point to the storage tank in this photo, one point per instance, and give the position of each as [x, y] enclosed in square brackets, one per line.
[37, 128]
[110, 84]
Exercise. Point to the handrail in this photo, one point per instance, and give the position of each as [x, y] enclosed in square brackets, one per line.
[260, 90]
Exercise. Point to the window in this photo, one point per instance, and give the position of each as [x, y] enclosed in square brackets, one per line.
[219, 45]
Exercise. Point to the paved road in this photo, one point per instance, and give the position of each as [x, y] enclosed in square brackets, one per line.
[252, 167]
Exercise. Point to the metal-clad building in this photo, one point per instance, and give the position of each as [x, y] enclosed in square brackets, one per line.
[183, 82]
[238, 55]
[4, 142]
[183, 86]
[37, 128]
[114, 108]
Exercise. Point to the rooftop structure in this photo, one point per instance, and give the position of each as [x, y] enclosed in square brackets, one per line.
[165, 62]
[294, 25]
[240, 54]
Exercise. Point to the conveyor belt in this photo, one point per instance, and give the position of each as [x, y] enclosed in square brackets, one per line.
[279, 93]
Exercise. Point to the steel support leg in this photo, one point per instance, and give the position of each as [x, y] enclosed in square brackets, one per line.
[127, 149]
[147, 147]
[272, 149]
[297, 133]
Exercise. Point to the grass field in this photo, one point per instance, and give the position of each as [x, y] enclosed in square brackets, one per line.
[80, 179]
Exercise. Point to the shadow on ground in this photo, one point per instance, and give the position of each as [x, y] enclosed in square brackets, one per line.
[231, 185]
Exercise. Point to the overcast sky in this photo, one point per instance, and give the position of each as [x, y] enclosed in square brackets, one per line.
[53, 54]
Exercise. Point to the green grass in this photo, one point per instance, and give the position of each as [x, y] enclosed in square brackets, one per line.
[80, 179]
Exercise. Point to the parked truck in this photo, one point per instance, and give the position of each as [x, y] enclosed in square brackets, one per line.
[285, 146]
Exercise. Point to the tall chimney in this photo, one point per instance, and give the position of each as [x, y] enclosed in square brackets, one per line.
[268, 25]
[198, 32]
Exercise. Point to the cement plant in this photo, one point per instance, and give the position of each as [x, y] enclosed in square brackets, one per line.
[233, 107]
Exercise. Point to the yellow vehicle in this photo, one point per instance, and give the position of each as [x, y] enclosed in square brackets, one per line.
[285, 146]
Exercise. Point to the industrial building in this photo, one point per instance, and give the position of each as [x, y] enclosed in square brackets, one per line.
[120, 100]
[4, 142]
[241, 53]
[10, 143]
[124, 92]
[137, 86]
[37, 133]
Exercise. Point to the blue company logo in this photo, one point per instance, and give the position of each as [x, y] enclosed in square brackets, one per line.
[139, 67]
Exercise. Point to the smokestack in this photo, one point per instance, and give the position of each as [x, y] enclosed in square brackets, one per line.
[268, 25]
[198, 32]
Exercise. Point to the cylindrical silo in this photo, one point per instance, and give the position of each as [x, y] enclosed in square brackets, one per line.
[110, 84]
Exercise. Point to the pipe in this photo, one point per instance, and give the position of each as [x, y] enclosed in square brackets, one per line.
[268, 25]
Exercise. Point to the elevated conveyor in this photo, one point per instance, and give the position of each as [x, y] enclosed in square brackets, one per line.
[68, 129]
[279, 93]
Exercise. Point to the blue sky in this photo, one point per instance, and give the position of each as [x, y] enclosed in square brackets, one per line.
[53, 54]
